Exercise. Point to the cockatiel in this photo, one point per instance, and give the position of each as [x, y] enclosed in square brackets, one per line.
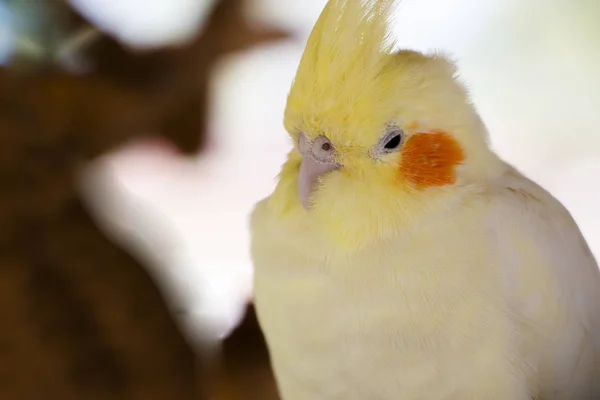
[399, 257]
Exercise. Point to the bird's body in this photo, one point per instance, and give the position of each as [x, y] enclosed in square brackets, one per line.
[439, 315]
[399, 257]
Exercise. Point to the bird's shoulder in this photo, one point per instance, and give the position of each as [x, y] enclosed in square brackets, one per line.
[540, 245]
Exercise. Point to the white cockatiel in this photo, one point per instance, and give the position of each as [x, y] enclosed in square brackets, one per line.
[399, 258]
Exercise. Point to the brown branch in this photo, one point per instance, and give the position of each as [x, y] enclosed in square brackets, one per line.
[81, 318]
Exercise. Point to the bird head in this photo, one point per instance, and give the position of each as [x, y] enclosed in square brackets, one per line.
[382, 138]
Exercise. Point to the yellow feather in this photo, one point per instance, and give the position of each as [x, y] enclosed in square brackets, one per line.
[350, 85]
[344, 63]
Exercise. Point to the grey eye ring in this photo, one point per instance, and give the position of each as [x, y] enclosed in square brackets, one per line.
[392, 141]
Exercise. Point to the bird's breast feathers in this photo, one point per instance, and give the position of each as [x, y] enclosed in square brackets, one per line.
[413, 305]
[481, 284]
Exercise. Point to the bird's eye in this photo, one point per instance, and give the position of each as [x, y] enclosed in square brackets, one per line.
[393, 140]
[393, 143]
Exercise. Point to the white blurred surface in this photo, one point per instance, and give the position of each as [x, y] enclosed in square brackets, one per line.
[146, 23]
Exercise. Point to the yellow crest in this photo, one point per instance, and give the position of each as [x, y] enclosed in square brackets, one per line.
[346, 60]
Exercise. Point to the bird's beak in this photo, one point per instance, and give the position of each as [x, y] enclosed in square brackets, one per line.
[315, 163]
[310, 171]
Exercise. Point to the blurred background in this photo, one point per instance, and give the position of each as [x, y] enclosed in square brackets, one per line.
[531, 67]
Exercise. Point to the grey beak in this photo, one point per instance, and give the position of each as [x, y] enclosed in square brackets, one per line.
[317, 160]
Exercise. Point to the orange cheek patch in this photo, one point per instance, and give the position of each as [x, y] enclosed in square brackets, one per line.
[429, 159]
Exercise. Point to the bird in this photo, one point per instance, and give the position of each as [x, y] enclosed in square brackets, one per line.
[400, 257]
